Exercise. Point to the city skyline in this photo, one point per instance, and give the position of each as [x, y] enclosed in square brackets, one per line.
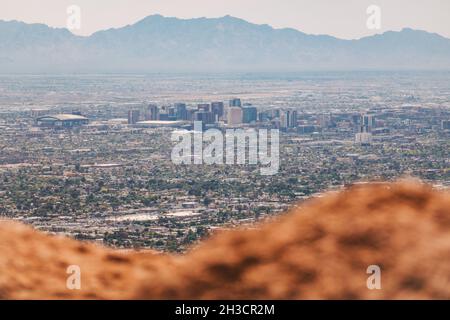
[95, 160]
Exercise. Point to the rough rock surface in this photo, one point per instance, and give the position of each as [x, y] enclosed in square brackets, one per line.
[319, 251]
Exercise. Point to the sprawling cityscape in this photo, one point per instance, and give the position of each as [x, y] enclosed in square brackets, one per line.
[90, 156]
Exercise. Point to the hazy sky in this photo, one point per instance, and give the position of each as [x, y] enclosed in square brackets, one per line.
[340, 18]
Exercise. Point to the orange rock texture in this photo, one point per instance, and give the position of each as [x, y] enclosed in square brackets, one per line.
[320, 250]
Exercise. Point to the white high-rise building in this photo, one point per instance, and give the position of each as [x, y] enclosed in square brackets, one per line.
[234, 116]
[363, 138]
[284, 119]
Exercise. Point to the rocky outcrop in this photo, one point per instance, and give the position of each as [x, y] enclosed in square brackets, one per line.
[320, 250]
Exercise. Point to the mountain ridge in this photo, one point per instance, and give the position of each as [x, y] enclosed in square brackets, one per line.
[158, 43]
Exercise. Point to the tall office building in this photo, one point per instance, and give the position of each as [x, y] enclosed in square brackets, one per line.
[367, 123]
[236, 102]
[264, 116]
[190, 114]
[204, 116]
[284, 119]
[293, 118]
[249, 114]
[133, 116]
[171, 113]
[364, 134]
[180, 111]
[152, 112]
[234, 116]
[218, 109]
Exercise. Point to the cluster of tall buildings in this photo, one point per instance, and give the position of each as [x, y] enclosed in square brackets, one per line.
[208, 113]
[236, 114]
[288, 119]
[365, 124]
[205, 112]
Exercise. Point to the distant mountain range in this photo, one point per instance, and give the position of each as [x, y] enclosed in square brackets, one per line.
[160, 44]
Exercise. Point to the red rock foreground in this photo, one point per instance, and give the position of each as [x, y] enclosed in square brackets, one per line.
[320, 251]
